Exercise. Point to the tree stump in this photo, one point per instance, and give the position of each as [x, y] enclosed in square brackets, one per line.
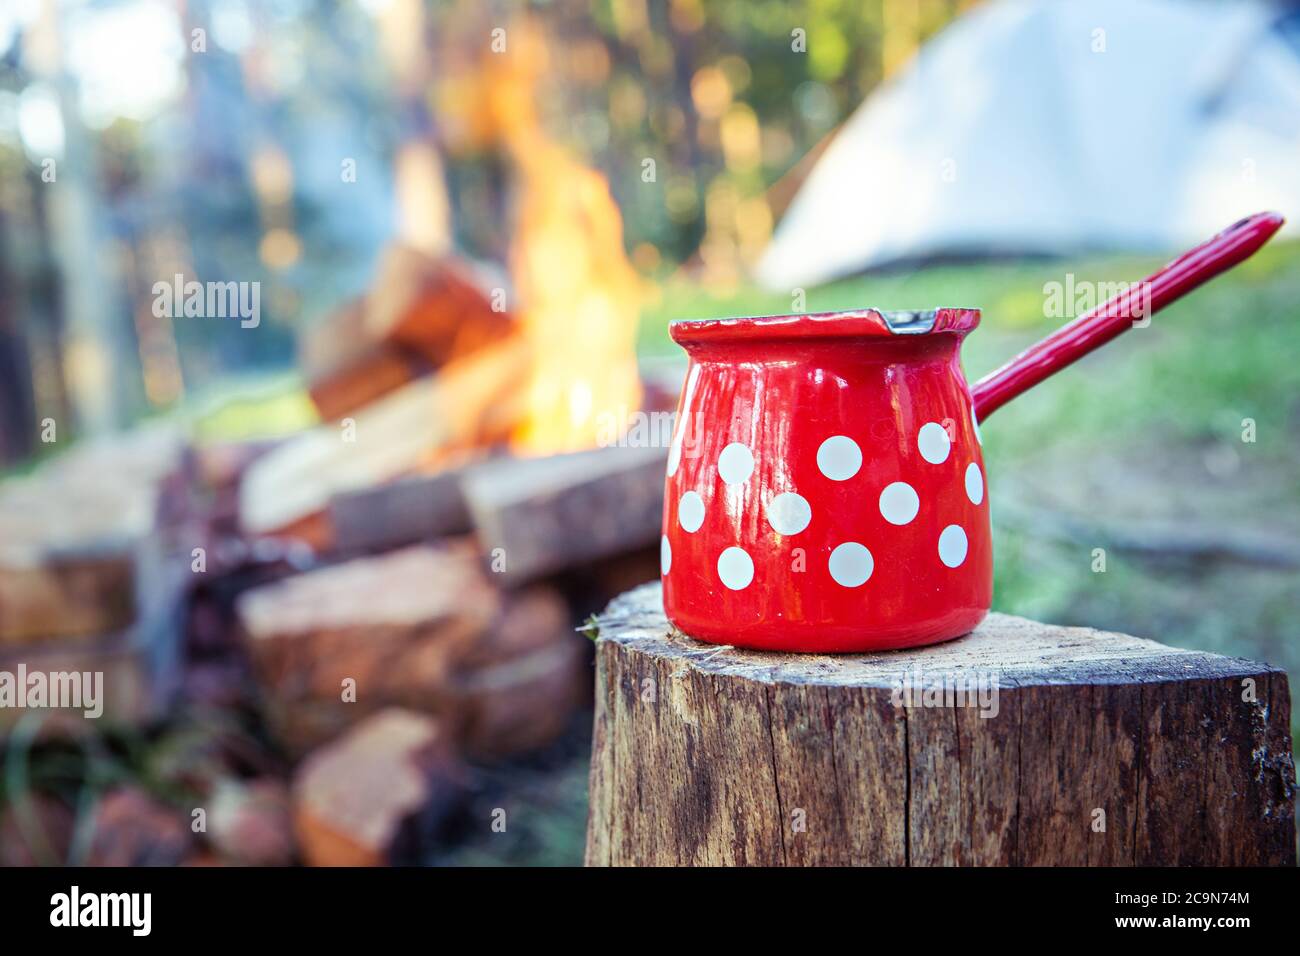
[1018, 744]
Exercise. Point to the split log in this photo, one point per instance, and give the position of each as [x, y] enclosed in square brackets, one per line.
[71, 533]
[65, 596]
[422, 312]
[116, 619]
[368, 377]
[471, 402]
[422, 628]
[118, 667]
[374, 796]
[402, 512]
[329, 344]
[536, 516]
[1097, 749]
[436, 307]
[516, 689]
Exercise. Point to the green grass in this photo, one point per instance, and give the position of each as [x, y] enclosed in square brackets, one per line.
[253, 409]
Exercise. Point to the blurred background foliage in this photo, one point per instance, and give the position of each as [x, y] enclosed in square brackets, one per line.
[210, 144]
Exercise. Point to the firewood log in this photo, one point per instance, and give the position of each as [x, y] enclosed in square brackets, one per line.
[423, 628]
[433, 307]
[536, 516]
[416, 508]
[421, 313]
[371, 375]
[376, 795]
[470, 402]
[70, 535]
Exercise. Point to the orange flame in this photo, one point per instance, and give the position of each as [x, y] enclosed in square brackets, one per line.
[579, 295]
[580, 299]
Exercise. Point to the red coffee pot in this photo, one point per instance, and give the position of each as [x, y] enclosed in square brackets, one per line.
[825, 487]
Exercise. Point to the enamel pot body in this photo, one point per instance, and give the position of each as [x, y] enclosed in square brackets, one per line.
[825, 487]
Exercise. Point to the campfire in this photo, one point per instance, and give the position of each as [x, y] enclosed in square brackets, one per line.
[459, 490]
[579, 295]
[436, 368]
[399, 589]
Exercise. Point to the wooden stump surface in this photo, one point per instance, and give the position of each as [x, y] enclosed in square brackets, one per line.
[1096, 749]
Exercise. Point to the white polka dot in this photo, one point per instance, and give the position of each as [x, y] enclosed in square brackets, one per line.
[839, 458]
[735, 568]
[736, 463]
[851, 564]
[899, 503]
[690, 512]
[952, 546]
[974, 483]
[975, 425]
[789, 513]
[932, 441]
[665, 555]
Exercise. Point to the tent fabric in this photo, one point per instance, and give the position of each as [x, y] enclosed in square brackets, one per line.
[1054, 128]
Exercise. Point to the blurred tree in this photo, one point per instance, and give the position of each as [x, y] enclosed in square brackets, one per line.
[725, 99]
[289, 139]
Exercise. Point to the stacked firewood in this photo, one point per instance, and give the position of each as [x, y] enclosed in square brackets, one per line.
[438, 623]
[388, 598]
[87, 580]
[384, 600]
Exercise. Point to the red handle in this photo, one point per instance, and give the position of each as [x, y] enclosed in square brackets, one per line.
[1139, 301]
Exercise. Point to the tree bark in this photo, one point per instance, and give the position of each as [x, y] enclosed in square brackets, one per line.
[1094, 749]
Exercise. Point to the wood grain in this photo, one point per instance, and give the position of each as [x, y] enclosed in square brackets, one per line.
[537, 516]
[1089, 748]
[425, 629]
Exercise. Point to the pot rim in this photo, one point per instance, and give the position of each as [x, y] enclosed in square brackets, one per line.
[854, 323]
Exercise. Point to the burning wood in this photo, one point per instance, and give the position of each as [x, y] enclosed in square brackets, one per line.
[555, 385]
[438, 308]
[579, 296]
[421, 313]
[472, 402]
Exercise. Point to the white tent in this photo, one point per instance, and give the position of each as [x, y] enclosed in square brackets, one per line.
[1053, 128]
